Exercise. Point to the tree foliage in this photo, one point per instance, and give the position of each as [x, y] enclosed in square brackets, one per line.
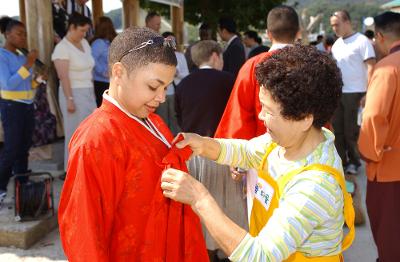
[253, 13]
[163, 10]
[247, 13]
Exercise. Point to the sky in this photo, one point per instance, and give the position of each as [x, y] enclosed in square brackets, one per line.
[11, 7]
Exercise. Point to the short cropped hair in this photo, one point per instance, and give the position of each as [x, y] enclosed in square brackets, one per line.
[202, 51]
[343, 14]
[132, 37]
[7, 24]
[205, 31]
[150, 16]
[329, 40]
[171, 35]
[388, 22]
[369, 34]
[251, 34]
[167, 34]
[228, 24]
[77, 19]
[283, 23]
[304, 81]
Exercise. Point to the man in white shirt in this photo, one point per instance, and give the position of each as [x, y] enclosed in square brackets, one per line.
[355, 57]
[153, 21]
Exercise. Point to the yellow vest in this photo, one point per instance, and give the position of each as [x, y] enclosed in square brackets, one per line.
[262, 209]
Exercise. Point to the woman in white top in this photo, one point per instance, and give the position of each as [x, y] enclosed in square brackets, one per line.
[74, 64]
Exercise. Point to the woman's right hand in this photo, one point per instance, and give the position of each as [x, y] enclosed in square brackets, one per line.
[71, 106]
[237, 173]
[204, 146]
[194, 141]
[30, 58]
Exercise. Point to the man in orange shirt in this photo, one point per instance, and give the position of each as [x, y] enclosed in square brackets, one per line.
[379, 142]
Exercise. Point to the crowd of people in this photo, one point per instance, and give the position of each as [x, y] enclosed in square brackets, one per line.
[263, 136]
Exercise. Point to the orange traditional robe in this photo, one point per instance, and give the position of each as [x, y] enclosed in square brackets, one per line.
[240, 118]
[112, 207]
[379, 141]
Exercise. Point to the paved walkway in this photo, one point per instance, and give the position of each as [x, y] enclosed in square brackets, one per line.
[49, 248]
[363, 248]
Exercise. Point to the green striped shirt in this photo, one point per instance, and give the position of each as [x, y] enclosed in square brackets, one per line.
[309, 218]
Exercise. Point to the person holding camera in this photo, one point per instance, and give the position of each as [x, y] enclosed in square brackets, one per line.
[16, 104]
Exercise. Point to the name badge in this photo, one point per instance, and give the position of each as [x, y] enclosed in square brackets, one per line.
[263, 192]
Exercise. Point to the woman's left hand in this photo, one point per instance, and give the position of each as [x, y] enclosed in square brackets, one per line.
[42, 77]
[181, 187]
[45, 76]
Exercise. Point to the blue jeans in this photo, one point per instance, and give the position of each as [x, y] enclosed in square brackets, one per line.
[18, 124]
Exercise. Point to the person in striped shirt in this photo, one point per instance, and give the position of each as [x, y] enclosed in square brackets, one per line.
[300, 203]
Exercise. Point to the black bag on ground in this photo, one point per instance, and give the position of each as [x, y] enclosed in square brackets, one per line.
[33, 196]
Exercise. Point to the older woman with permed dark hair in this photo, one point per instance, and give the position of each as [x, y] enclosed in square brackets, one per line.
[300, 202]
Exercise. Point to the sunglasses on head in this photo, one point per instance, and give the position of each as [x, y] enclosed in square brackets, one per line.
[167, 42]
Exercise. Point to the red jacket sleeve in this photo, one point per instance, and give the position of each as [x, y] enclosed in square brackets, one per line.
[240, 118]
[88, 203]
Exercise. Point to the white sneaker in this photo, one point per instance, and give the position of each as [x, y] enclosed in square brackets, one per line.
[351, 169]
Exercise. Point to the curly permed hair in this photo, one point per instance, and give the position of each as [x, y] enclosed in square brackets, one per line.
[304, 81]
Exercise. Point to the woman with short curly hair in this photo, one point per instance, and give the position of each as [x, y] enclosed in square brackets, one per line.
[299, 197]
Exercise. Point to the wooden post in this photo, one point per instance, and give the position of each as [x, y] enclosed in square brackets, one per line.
[22, 16]
[130, 11]
[39, 26]
[177, 24]
[97, 10]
